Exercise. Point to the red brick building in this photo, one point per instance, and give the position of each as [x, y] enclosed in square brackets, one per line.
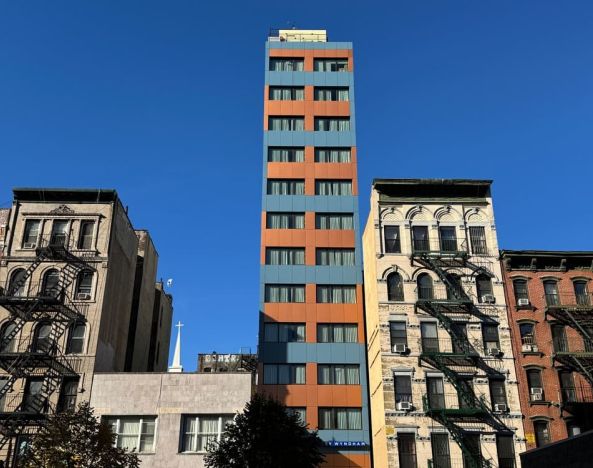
[550, 310]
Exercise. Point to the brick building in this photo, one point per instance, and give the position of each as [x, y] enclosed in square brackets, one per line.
[551, 319]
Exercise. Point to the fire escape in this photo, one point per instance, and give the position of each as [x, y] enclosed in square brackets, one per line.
[575, 311]
[464, 413]
[34, 360]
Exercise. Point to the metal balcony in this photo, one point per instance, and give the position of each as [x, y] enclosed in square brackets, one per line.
[454, 406]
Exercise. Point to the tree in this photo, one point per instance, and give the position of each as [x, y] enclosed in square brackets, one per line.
[266, 435]
[76, 439]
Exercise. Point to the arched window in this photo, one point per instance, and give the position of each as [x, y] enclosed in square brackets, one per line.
[395, 287]
[7, 341]
[16, 285]
[51, 280]
[76, 339]
[425, 290]
[551, 292]
[484, 288]
[84, 284]
[41, 338]
[454, 288]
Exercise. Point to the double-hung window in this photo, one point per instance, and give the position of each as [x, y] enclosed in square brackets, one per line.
[332, 124]
[333, 187]
[284, 374]
[31, 234]
[285, 220]
[477, 237]
[133, 433]
[284, 293]
[200, 431]
[337, 333]
[287, 64]
[285, 256]
[284, 332]
[85, 236]
[340, 418]
[490, 336]
[398, 335]
[333, 155]
[286, 124]
[520, 289]
[392, 239]
[338, 374]
[334, 294]
[334, 221]
[335, 257]
[406, 448]
[331, 94]
[330, 65]
[286, 187]
[403, 388]
[286, 154]
[286, 93]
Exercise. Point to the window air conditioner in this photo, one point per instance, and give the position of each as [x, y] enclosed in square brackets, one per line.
[537, 394]
[404, 406]
[83, 296]
[494, 352]
[527, 348]
[488, 299]
[29, 245]
[523, 302]
[399, 348]
[500, 407]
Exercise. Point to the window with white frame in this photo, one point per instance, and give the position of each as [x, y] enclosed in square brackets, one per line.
[200, 431]
[133, 433]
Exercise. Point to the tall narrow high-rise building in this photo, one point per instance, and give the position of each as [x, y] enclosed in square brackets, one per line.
[311, 345]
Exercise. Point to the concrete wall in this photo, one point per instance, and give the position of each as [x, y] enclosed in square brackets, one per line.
[168, 396]
[160, 335]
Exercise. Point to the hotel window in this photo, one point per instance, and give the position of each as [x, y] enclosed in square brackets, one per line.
[68, 392]
[75, 344]
[520, 288]
[392, 239]
[133, 433]
[333, 155]
[285, 293]
[284, 332]
[334, 221]
[332, 94]
[199, 432]
[506, 451]
[403, 388]
[337, 333]
[441, 457]
[296, 154]
[31, 234]
[542, 433]
[331, 294]
[335, 257]
[285, 256]
[285, 220]
[284, 374]
[85, 236]
[338, 374]
[477, 237]
[340, 418]
[397, 334]
[333, 187]
[331, 65]
[286, 124]
[287, 64]
[395, 287]
[286, 93]
[406, 448]
[332, 124]
[301, 413]
[286, 187]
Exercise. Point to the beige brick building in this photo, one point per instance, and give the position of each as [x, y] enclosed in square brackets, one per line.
[442, 383]
[72, 277]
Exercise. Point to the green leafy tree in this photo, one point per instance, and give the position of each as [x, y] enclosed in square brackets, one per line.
[265, 435]
[76, 439]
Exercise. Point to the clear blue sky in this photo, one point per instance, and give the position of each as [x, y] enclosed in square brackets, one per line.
[163, 101]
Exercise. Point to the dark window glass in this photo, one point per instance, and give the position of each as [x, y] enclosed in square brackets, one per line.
[454, 289]
[286, 154]
[397, 331]
[551, 292]
[527, 333]
[448, 238]
[420, 238]
[51, 283]
[425, 290]
[406, 447]
[392, 239]
[567, 387]
[429, 337]
[484, 288]
[534, 381]
[542, 433]
[477, 237]
[441, 457]
[340, 418]
[76, 339]
[85, 238]
[403, 388]
[395, 287]
[33, 400]
[285, 221]
[436, 392]
[520, 288]
[572, 428]
[84, 285]
[490, 336]
[16, 285]
[559, 338]
[7, 335]
[338, 374]
[506, 451]
[31, 234]
[497, 393]
[67, 400]
[59, 232]
[42, 338]
[581, 293]
[472, 442]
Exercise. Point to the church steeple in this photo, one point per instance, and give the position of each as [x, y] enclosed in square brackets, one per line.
[176, 366]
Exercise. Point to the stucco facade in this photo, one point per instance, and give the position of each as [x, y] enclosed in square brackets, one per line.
[168, 398]
[427, 243]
